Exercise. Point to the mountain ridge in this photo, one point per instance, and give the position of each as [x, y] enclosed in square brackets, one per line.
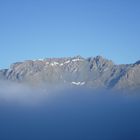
[95, 72]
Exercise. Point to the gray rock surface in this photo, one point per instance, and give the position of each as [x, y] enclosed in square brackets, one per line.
[94, 72]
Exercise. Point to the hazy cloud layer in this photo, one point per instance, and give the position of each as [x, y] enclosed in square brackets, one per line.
[21, 93]
[67, 114]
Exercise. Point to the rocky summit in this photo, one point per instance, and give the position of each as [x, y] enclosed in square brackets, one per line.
[93, 72]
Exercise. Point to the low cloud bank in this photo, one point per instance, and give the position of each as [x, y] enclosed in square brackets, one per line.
[67, 113]
[22, 93]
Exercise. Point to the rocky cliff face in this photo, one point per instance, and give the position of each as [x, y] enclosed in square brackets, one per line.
[77, 71]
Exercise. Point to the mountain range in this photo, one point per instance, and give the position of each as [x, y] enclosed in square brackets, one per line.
[94, 72]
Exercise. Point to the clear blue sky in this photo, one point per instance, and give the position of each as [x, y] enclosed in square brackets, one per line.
[31, 29]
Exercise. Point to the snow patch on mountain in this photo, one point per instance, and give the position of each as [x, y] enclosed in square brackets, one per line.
[78, 59]
[78, 83]
[67, 62]
[54, 63]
